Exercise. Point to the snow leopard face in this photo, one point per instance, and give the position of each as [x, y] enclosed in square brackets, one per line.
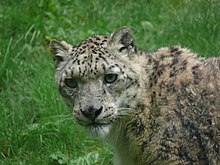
[97, 79]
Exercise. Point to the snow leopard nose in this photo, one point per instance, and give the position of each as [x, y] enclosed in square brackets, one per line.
[92, 113]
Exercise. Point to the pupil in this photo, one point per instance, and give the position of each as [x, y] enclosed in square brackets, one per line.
[71, 83]
[110, 78]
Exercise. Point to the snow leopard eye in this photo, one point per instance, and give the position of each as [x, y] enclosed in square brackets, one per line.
[110, 78]
[71, 82]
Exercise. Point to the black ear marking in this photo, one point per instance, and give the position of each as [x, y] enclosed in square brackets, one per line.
[60, 51]
[121, 38]
[122, 48]
[126, 38]
[58, 58]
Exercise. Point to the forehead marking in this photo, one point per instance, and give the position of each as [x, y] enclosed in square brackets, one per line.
[89, 57]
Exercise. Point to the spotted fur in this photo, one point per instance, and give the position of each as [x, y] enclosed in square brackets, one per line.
[161, 107]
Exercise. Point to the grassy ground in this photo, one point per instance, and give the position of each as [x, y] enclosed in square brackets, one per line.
[35, 125]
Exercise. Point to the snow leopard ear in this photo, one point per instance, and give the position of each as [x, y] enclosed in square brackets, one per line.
[121, 39]
[60, 50]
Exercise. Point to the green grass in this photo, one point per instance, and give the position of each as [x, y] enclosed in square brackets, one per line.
[35, 125]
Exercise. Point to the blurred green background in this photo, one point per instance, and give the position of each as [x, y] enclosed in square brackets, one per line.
[35, 125]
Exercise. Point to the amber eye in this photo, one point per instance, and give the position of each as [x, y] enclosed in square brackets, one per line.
[70, 82]
[110, 78]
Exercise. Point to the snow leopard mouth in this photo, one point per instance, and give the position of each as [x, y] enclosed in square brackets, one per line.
[92, 123]
[98, 129]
